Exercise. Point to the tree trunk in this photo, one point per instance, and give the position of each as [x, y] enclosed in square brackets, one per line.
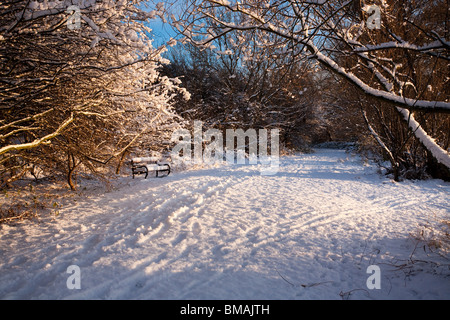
[70, 181]
[71, 166]
[122, 158]
[437, 170]
[392, 158]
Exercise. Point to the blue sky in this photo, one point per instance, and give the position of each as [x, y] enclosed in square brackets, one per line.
[162, 32]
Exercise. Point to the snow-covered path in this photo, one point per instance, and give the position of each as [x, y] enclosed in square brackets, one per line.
[309, 232]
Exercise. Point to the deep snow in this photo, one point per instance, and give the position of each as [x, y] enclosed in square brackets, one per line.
[227, 232]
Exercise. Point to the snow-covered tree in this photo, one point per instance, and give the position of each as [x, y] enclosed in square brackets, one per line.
[244, 84]
[390, 50]
[79, 85]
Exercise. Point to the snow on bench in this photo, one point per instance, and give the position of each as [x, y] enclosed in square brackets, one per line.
[144, 165]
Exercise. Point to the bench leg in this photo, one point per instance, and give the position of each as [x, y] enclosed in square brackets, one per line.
[158, 176]
[146, 172]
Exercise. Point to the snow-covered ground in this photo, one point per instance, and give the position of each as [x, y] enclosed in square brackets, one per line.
[308, 232]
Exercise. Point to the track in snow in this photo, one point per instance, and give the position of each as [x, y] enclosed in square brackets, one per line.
[309, 232]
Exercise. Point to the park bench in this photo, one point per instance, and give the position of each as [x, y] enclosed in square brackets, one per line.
[145, 165]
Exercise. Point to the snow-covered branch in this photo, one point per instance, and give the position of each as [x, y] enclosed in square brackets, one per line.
[441, 155]
[37, 142]
[328, 21]
[403, 45]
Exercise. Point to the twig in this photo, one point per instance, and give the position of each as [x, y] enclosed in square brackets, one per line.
[302, 285]
[285, 278]
[346, 295]
[314, 284]
[364, 251]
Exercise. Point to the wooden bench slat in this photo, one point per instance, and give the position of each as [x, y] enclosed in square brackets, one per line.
[157, 167]
[145, 159]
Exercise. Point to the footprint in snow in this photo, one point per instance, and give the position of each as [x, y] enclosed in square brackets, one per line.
[196, 228]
